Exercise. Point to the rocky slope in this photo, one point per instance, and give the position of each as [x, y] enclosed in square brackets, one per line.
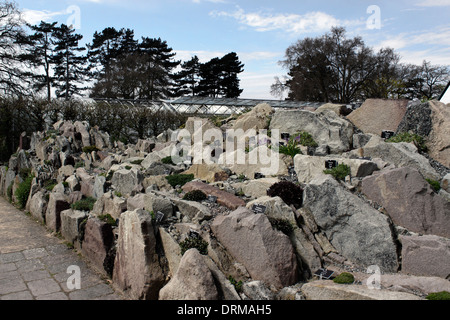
[116, 205]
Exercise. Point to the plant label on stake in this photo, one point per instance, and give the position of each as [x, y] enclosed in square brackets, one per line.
[330, 164]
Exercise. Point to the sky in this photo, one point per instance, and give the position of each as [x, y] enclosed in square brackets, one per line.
[259, 31]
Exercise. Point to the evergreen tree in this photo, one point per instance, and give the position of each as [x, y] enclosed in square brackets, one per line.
[103, 51]
[70, 67]
[187, 80]
[229, 82]
[157, 64]
[14, 62]
[210, 73]
[42, 52]
[219, 77]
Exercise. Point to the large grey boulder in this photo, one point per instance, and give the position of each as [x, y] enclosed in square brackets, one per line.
[257, 118]
[409, 201]
[99, 186]
[328, 290]
[126, 181]
[194, 211]
[83, 129]
[430, 120]
[376, 115]
[359, 232]
[327, 128]
[426, 256]
[192, 281]
[267, 254]
[38, 206]
[97, 244]
[57, 203]
[398, 154]
[308, 167]
[137, 270]
[71, 226]
[110, 204]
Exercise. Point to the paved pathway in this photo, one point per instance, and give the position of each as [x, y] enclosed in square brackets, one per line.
[34, 264]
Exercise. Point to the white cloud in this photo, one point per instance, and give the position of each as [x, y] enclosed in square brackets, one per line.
[414, 47]
[434, 3]
[36, 16]
[293, 23]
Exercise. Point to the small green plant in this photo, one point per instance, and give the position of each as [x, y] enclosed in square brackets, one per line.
[195, 195]
[118, 194]
[418, 141]
[128, 167]
[435, 185]
[443, 295]
[86, 204]
[24, 173]
[242, 177]
[289, 192]
[9, 192]
[167, 160]
[79, 164]
[306, 139]
[237, 284]
[50, 184]
[282, 225]
[137, 162]
[197, 243]
[23, 191]
[344, 278]
[291, 149]
[339, 172]
[110, 175]
[108, 219]
[179, 179]
[90, 149]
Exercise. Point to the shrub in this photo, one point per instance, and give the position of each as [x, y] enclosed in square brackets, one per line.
[9, 192]
[339, 172]
[79, 164]
[137, 162]
[306, 140]
[291, 193]
[167, 160]
[197, 243]
[108, 219]
[344, 278]
[418, 141]
[435, 185]
[290, 150]
[237, 284]
[86, 204]
[195, 195]
[90, 149]
[179, 179]
[443, 295]
[282, 225]
[23, 191]
[50, 184]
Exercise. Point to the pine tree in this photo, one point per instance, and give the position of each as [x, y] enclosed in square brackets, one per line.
[103, 51]
[70, 67]
[157, 64]
[42, 52]
[229, 82]
[219, 77]
[187, 80]
[14, 61]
